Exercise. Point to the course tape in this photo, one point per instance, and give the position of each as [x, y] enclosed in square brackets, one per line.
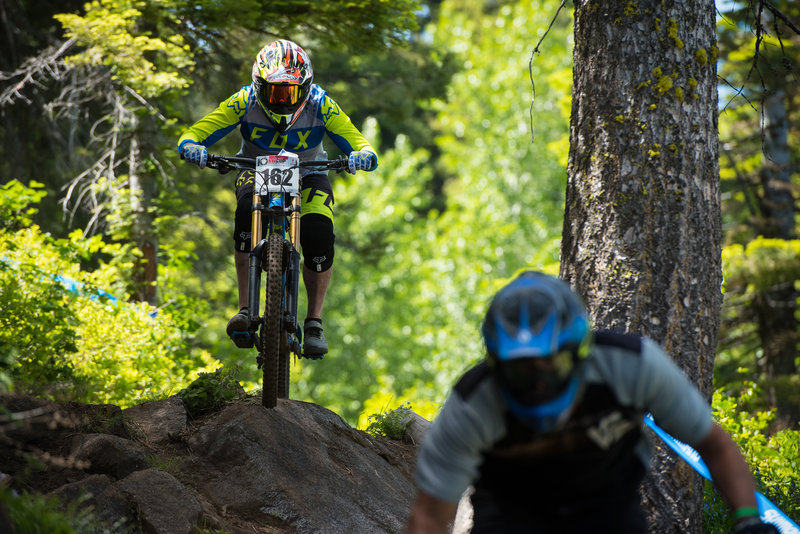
[73, 286]
[77, 287]
[768, 512]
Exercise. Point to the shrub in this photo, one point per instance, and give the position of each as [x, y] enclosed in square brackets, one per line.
[211, 390]
[31, 513]
[775, 459]
[390, 423]
[62, 337]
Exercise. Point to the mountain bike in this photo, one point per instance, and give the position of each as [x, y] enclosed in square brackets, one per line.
[274, 252]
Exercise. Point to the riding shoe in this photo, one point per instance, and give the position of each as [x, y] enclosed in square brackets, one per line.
[237, 329]
[314, 345]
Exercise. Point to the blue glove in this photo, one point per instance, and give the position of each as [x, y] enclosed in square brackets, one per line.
[194, 153]
[361, 160]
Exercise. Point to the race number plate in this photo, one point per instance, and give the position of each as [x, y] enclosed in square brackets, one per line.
[278, 174]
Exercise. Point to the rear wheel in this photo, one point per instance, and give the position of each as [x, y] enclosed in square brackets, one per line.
[286, 349]
[283, 370]
[271, 336]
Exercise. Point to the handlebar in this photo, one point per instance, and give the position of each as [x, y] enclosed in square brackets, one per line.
[225, 164]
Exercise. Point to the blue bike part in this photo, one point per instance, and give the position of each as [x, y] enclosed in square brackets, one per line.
[243, 340]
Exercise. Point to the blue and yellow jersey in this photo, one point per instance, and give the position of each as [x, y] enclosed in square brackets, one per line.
[320, 116]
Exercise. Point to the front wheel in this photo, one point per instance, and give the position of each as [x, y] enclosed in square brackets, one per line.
[271, 335]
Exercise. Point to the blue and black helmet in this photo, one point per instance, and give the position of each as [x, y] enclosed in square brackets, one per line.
[536, 333]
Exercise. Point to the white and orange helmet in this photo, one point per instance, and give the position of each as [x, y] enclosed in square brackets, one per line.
[282, 77]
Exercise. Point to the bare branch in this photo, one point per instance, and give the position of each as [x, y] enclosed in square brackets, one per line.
[740, 180]
[530, 63]
[144, 101]
[49, 64]
[739, 93]
[779, 15]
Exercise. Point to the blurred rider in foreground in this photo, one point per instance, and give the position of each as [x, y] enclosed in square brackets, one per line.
[283, 109]
[548, 428]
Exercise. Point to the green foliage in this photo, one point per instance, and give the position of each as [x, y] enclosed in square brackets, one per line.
[761, 265]
[211, 390]
[758, 141]
[7, 358]
[415, 269]
[396, 88]
[203, 530]
[396, 233]
[135, 355]
[113, 36]
[356, 25]
[774, 459]
[168, 464]
[390, 423]
[750, 273]
[17, 204]
[32, 513]
[751, 83]
[777, 58]
[37, 322]
[424, 406]
[75, 343]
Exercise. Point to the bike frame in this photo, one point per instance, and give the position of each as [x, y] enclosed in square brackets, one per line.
[275, 241]
[273, 207]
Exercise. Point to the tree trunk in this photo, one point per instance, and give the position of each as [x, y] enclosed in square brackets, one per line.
[776, 178]
[641, 237]
[146, 272]
[775, 309]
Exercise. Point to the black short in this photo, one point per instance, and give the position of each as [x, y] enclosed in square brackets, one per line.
[316, 198]
[613, 509]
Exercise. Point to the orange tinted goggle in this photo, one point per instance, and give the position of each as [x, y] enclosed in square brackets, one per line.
[282, 95]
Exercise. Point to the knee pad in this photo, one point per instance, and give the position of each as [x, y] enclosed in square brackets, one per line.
[242, 224]
[316, 240]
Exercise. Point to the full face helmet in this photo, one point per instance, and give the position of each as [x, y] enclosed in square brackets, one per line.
[537, 333]
[282, 77]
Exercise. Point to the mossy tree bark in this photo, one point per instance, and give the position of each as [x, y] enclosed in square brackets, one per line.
[642, 238]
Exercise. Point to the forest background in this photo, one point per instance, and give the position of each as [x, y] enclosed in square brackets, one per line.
[470, 188]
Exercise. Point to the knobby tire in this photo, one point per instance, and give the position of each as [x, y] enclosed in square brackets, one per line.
[283, 367]
[271, 338]
[284, 356]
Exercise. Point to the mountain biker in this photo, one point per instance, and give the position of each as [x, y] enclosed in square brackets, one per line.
[283, 109]
[548, 428]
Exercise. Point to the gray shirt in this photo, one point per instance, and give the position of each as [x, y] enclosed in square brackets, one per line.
[647, 381]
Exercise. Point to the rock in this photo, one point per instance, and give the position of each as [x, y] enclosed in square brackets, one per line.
[301, 466]
[295, 469]
[36, 419]
[97, 495]
[98, 418]
[165, 506]
[416, 426]
[157, 422]
[109, 455]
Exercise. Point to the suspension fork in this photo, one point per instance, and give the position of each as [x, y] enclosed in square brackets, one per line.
[293, 272]
[256, 246]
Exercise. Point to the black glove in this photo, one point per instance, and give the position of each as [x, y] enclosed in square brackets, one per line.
[753, 525]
